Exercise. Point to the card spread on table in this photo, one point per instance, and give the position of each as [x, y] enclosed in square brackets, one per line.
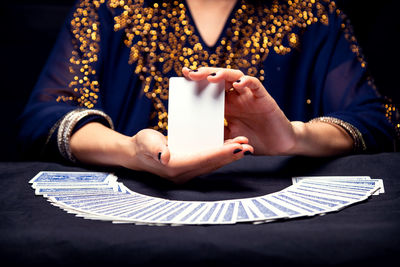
[99, 196]
[195, 115]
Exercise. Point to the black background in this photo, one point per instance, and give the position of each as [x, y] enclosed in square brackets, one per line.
[29, 30]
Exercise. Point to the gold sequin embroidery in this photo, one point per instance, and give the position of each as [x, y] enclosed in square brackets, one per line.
[85, 29]
[162, 39]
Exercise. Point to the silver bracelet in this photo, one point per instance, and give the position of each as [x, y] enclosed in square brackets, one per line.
[67, 125]
[358, 140]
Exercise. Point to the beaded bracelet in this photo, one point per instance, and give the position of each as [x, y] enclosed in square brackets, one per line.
[358, 140]
[67, 125]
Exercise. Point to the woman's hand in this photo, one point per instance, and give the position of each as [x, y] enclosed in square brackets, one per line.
[251, 111]
[148, 151]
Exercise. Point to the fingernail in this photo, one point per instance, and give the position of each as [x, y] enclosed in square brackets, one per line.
[248, 152]
[159, 156]
[238, 81]
[213, 74]
[237, 150]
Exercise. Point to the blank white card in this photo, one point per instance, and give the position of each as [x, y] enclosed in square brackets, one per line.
[195, 115]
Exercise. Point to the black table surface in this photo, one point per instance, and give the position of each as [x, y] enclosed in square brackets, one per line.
[33, 232]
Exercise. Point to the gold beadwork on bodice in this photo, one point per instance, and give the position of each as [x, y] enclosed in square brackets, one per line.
[162, 40]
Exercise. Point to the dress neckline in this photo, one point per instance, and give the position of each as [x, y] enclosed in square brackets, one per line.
[224, 29]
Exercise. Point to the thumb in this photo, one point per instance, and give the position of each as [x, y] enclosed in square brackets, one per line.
[154, 145]
[164, 155]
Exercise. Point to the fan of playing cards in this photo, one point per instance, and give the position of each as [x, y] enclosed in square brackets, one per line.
[98, 196]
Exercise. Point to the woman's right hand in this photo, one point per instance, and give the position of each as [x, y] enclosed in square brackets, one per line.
[148, 151]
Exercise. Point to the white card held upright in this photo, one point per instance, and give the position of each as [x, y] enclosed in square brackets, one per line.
[195, 115]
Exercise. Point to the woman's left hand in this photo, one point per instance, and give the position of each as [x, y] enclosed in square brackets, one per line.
[251, 111]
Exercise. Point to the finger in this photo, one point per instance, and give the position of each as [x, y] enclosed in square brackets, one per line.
[164, 156]
[237, 86]
[247, 149]
[152, 144]
[184, 167]
[201, 73]
[238, 139]
[253, 84]
[229, 75]
[228, 154]
[185, 71]
[212, 159]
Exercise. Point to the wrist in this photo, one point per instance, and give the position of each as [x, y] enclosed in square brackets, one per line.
[68, 124]
[120, 151]
[300, 139]
[96, 144]
[320, 139]
[125, 152]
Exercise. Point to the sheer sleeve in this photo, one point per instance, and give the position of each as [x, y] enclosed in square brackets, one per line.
[67, 83]
[349, 94]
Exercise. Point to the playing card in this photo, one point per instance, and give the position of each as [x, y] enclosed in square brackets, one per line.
[99, 196]
[195, 115]
[264, 211]
[344, 179]
[229, 213]
[72, 177]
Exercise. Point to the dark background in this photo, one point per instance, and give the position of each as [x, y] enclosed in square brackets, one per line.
[29, 30]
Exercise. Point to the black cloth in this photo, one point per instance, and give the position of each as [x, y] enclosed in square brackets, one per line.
[34, 232]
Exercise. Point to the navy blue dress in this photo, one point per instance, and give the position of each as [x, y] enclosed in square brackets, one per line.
[117, 56]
